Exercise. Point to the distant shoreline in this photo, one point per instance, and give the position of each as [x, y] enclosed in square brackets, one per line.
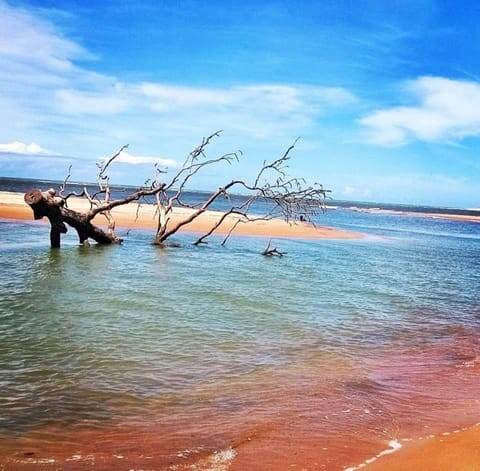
[452, 215]
[12, 206]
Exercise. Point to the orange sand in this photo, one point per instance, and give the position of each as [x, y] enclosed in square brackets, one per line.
[12, 206]
[457, 451]
[254, 450]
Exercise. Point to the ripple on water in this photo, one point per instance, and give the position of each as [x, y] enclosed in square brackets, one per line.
[336, 340]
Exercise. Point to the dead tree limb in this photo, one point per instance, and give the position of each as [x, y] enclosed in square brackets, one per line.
[46, 204]
[290, 199]
[54, 206]
[271, 251]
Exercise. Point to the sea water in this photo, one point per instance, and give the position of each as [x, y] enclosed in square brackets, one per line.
[169, 357]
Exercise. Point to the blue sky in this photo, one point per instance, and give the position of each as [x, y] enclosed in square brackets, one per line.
[385, 96]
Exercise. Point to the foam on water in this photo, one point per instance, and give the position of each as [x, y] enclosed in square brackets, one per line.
[218, 461]
[394, 445]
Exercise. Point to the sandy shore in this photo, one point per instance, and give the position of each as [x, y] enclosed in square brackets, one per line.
[455, 451]
[12, 206]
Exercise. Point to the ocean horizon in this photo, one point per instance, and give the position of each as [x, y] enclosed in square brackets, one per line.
[137, 357]
[21, 185]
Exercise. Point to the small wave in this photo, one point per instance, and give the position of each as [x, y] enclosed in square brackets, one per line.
[218, 461]
[394, 445]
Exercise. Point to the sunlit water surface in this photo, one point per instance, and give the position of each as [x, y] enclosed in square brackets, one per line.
[169, 358]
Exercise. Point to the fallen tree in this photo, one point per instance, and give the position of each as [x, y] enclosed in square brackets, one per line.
[290, 199]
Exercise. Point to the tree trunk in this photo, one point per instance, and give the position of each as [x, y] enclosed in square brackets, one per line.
[44, 204]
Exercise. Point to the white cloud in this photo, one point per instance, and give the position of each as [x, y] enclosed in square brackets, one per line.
[127, 158]
[97, 103]
[44, 88]
[259, 111]
[411, 188]
[335, 96]
[164, 97]
[49, 96]
[28, 38]
[282, 98]
[356, 192]
[17, 147]
[447, 110]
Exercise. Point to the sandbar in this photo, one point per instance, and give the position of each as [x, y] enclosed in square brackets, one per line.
[12, 206]
[451, 217]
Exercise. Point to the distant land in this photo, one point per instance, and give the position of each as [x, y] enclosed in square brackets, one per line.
[20, 185]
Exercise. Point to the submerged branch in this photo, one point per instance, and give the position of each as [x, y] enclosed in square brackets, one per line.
[271, 251]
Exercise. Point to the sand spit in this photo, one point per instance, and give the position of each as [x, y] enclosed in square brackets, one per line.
[12, 206]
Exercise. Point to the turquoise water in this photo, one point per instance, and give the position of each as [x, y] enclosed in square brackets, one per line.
[213, 340]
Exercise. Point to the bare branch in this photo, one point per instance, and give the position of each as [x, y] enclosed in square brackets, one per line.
[271, 251]
[201, 239]
[288, 198]
[64, 184]
[103, 166]
[63, 187]
[279, 196]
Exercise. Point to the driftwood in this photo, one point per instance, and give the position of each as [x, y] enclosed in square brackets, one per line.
[290, 199]
[271, 251]
[45, 204]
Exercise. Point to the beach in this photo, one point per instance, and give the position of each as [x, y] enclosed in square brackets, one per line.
[354, 352]
[239, 236]
[457, 450]
[131, 216]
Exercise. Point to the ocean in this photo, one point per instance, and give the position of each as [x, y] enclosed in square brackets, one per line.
[217, 358]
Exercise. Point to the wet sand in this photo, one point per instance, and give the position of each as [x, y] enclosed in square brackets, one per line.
[12, 206]
[325, 416]
[452, 451]
[254, 450]
[276, 447]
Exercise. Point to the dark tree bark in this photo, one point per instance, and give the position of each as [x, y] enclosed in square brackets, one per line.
[45, 204]
[271, 251]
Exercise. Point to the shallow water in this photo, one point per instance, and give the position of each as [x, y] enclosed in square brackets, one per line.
[167, 357]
